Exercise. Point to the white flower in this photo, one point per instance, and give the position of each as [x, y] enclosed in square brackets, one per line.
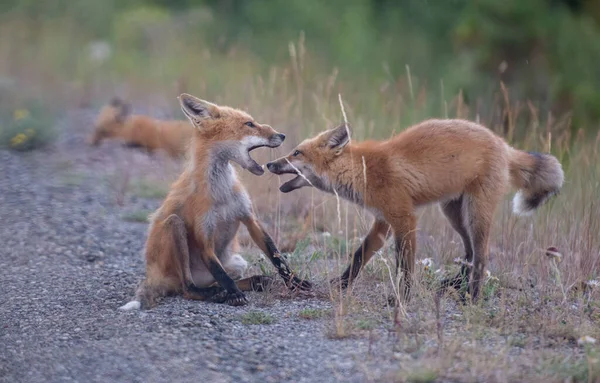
[426, 262]
[593, 283]
[586, 339]
[326, 234]
[489, 276]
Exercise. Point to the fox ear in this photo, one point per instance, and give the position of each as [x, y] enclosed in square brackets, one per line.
[338, 138]
[124, 110]
[196, 109]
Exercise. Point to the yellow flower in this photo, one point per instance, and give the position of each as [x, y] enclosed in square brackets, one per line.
[18, 139]
[30, 132]
[21, 114]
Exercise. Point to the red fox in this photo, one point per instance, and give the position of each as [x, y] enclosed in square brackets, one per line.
[460, 164]
[188, 245]
[115, 122]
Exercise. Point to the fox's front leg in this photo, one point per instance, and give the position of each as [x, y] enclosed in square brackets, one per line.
[264, 241]
[370, 245]
[405, 226]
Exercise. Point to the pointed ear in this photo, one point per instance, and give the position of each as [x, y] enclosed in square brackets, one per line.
[196, 109]
[124, 110]
[338, 138]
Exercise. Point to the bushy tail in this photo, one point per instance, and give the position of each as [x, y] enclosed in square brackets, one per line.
[537, 176]
[145, 297]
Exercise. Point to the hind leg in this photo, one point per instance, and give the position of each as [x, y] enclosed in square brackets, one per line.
[454, 211]
[480, 206]
[182, 254]
[370, 245]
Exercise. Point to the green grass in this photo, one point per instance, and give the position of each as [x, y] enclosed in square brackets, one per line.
[137, 216]
[365, 324]
[150, 189]
[423, 375]
[310, 313]
[257, 318]
[26, 127]
[73, 179]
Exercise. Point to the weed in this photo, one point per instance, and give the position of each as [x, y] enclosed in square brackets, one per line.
[310, 313]
[423, 375]
[145, 188]
[27, 129]
[137, 216]
[257, 318]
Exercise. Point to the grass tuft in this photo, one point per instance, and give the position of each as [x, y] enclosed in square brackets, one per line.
[145, 188]
[140, 215]
[310, 313]
[257, 318]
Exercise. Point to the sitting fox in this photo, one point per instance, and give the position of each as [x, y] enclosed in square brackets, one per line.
[115, 122]
[460, 164]
[188, 246]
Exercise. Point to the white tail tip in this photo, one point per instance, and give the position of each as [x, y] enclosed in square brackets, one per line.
[520, 205]
[133, 305]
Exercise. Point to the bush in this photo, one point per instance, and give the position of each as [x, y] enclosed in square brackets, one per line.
[26, 129]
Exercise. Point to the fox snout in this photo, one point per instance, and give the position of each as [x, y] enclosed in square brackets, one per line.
[280, 166]
[276, 140]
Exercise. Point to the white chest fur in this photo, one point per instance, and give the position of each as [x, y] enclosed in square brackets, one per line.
[228, 205]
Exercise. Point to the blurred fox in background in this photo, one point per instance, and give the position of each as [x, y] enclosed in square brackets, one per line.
[115, 122]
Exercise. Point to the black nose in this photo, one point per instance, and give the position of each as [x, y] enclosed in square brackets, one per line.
[271, 166]
[282, 136]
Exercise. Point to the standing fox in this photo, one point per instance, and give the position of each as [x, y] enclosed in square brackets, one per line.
[115, 122]
[188, 246]
[460, 164]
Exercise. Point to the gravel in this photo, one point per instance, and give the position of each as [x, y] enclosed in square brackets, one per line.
[68, 261]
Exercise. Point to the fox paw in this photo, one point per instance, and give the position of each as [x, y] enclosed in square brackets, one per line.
[236, 299]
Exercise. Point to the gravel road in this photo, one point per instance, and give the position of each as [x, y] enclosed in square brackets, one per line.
[68, 260]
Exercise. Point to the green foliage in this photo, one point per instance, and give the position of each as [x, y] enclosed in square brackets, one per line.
[544, 50]
[256, 318]
[423, 375]
[144, 188]
[140, 216]
[26, 128]
[310, 313]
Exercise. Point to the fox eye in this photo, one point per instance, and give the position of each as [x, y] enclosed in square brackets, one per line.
[296, 153]
[250, 124]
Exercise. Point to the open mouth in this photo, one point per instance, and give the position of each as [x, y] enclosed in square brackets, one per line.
[293, 184]
[253, 166]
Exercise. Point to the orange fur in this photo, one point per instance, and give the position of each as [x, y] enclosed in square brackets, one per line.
[188, 249]
[460, 164]
[115, 122]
